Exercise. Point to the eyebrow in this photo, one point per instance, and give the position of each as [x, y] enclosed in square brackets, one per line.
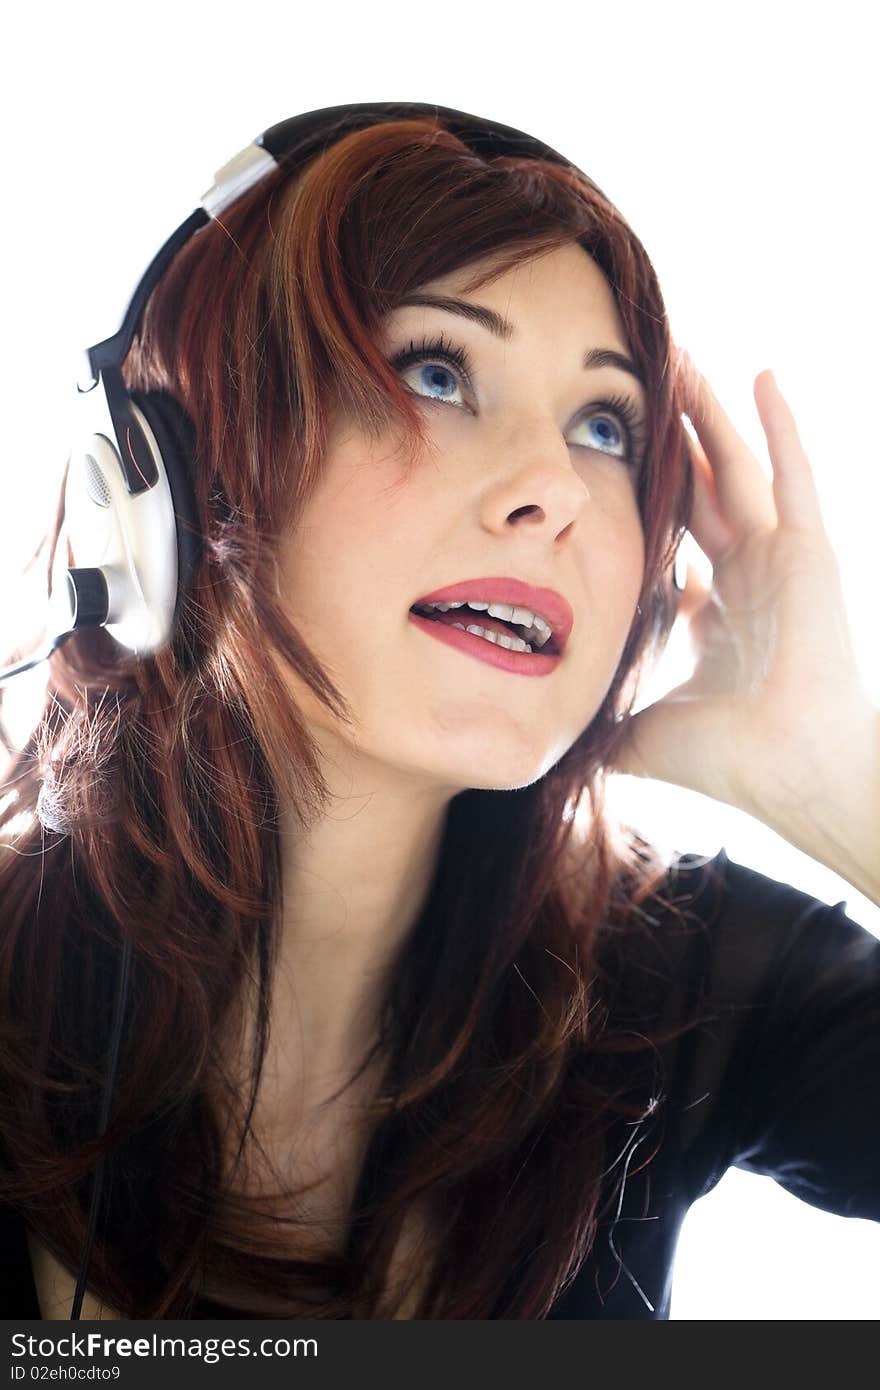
[501, 327]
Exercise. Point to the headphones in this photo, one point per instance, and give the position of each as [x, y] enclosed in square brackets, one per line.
[129, 502]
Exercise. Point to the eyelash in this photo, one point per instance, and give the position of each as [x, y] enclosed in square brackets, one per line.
[620, 406]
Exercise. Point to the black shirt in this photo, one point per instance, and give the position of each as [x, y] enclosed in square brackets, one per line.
[782, 1078]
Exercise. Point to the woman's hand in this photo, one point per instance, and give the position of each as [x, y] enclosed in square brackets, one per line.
[776, 702]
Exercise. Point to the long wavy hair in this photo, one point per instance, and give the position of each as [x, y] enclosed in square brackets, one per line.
[144, 806]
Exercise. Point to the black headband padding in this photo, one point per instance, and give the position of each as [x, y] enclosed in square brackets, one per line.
[300, 137]
[175, 436]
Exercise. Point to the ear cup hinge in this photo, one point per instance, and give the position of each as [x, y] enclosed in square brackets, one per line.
[238, 174]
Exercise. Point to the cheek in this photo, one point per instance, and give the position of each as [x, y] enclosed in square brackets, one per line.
[616, 553]
[612, 582]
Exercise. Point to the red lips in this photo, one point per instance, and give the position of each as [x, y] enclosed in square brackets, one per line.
[547, 603]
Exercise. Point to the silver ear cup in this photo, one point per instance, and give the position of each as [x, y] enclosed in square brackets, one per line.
[130, 538]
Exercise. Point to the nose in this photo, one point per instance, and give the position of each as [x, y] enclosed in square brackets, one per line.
[536, 483]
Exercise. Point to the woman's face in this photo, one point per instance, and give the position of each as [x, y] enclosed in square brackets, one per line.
[528, 478]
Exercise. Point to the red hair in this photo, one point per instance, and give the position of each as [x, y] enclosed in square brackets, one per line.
[159, 782]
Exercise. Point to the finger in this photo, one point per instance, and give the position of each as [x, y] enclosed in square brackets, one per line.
[794, 487]
[707, 524]
[744, 493]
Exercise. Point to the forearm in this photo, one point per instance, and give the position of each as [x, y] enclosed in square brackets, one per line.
[837, 822]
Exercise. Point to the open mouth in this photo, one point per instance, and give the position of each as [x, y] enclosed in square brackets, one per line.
[499, 631]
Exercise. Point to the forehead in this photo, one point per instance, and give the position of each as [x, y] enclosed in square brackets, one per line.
[561, 297]
[563, 286]
[566, 262]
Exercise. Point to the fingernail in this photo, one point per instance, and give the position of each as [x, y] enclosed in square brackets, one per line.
[680, 570]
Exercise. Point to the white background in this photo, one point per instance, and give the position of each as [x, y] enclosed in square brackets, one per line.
[739, 141]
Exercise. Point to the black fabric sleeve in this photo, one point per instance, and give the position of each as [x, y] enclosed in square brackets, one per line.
[798, 983]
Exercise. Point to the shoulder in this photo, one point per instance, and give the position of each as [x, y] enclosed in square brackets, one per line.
[718, 932]
[760, 925]
[727, 897]
[767, 1003]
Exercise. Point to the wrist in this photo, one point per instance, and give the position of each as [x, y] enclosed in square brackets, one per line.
[829, 805]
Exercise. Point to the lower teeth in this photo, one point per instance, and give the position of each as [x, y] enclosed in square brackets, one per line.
[526, 646]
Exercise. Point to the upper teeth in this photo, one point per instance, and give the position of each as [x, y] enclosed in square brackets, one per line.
[537, 630]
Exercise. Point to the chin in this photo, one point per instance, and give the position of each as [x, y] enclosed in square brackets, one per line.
[507, 779]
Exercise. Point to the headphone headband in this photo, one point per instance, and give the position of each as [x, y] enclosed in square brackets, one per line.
[293, 142]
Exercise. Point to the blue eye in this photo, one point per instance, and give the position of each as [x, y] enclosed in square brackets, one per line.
[619, 421]
[608, 416]
[433, 374]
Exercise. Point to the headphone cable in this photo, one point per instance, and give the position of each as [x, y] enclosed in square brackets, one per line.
[98, 1182]
[43, 655]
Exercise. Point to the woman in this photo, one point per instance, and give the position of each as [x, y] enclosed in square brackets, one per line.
[407, 1036]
